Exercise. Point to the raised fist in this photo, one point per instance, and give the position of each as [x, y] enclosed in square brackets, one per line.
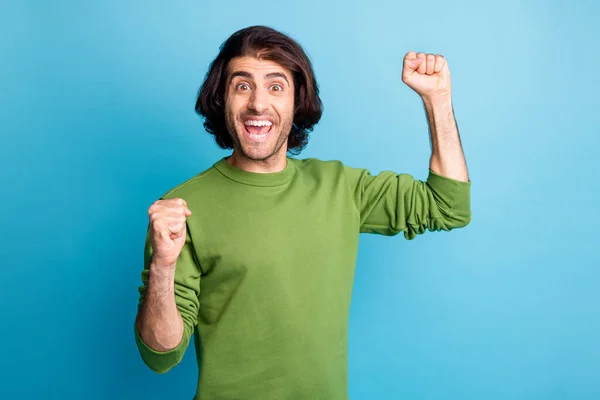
[167, 230]
[426, 74]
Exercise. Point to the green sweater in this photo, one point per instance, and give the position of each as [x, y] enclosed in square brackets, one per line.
[264, 280]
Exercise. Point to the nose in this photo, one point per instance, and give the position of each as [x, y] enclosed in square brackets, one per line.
[258, 101]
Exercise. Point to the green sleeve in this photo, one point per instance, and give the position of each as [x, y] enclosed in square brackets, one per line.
[187, 290]
[391, 203]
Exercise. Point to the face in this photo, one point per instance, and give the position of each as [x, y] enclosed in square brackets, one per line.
[259, 108]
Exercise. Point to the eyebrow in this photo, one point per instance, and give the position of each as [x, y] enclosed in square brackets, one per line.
[248, 75]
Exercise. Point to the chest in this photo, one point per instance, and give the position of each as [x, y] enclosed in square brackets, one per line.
[267, 228]
[283, 245]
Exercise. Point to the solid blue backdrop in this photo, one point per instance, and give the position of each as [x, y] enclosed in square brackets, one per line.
[97, 121]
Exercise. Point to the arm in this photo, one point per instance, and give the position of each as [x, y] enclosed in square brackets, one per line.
[168, 303]
[429, 76]
[390, 203]
[447, 157]
[158, 321]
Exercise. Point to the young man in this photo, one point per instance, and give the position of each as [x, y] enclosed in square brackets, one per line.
[256, 255]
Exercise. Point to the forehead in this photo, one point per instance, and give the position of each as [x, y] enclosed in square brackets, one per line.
[256, 67]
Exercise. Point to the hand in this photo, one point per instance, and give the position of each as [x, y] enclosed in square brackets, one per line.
[427, 74]
[168, 230]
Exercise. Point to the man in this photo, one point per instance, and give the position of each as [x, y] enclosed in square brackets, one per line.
[256, 255]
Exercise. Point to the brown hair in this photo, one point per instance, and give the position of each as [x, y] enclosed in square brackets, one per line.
[267, 44]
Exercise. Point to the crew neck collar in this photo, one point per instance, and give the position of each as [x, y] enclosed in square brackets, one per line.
[255, 178]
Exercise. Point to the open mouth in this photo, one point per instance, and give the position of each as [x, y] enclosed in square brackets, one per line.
[258, 130]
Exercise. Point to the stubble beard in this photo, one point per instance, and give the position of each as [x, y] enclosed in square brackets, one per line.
[260, 155]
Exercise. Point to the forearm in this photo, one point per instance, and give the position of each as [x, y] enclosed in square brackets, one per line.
[159, 322]
[447, 157]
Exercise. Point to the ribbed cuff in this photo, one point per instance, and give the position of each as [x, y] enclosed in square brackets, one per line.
[160, 361]
[455, 195]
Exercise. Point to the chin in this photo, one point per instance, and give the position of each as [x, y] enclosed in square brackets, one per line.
[257, 154]
[261, 148]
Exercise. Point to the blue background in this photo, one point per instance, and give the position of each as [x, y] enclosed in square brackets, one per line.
[97, 121]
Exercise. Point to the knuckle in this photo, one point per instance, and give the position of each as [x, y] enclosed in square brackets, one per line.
[174, 212]
[157, 213]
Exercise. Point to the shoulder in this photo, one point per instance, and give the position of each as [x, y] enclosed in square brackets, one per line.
[331, 169]
[317, 165]
[190, 187]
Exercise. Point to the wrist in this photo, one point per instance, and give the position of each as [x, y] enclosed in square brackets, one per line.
[437, 100]
[162, 263]
[162, 272]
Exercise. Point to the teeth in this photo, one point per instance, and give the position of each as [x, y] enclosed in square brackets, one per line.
[258, 137]
[258, 123]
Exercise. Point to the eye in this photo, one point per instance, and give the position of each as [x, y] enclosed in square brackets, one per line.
[276, 87]
[242, 86]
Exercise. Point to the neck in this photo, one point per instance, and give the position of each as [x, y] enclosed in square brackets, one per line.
[276, 163]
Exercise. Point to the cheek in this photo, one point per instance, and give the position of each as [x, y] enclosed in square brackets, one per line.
[286, 105]
[232, 107]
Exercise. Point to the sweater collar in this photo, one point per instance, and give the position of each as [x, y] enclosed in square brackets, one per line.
[254, 178]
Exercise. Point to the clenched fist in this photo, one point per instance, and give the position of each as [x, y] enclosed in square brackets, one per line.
[167, 230]
[426, 74]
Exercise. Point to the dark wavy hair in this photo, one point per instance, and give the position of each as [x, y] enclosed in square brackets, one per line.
[266, 44]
